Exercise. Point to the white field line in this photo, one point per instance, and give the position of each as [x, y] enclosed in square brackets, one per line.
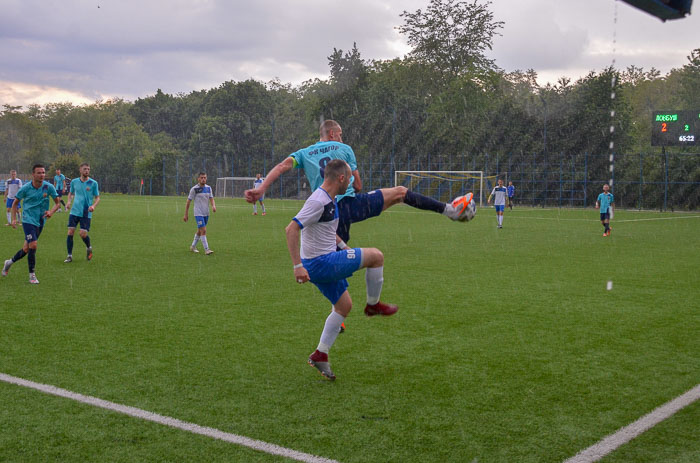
[168, 421]
[659, 218]
[629, 432]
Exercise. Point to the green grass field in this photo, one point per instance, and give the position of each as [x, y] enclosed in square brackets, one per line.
[507, 346]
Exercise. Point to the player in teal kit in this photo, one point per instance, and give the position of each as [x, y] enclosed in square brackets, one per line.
[35, 196]
[84, 196]
[59, 182]
[606, 202]
[353, 206]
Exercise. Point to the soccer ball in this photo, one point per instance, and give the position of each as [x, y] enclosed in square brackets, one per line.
[466, 207]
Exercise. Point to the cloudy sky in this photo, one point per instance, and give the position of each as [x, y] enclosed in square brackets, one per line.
[86, 50]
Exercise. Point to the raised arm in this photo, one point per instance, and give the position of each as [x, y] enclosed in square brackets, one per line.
[254, 194]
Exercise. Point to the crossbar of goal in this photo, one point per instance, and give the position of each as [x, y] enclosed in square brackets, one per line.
[232, 187]
[446, 175]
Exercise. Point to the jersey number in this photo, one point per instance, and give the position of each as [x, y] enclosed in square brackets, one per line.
[322, 164]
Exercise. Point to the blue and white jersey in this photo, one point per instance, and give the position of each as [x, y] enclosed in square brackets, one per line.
[12, 187]
[511, 191]
[605, 200]
[314, 158]
[499, 195]
[318, 220]
[257, 183]
[200, 196]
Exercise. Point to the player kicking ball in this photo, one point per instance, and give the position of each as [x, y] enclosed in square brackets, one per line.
[202, 196]
[318, 261]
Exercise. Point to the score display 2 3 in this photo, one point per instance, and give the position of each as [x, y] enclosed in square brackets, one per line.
[675, 128]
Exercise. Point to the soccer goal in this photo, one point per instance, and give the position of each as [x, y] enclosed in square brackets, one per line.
[443, 185]
[233, 187]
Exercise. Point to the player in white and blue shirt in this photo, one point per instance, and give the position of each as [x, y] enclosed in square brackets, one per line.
[202, 196]
[36, 197]
[606, 202]
[511, 195]
[12, 186]
[353, 205]
[83, 198]
[317, 260]
[257, 184]
[499, 194]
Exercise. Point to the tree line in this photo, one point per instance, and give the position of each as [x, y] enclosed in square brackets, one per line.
[445, 101]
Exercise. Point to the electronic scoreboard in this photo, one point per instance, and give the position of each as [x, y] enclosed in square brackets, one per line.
[675, 128]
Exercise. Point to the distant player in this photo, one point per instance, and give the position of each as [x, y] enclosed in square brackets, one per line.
[84, 196]
[35, 196]
[12, 186]
[318, 261]
[353, 206]
[59, 182]
[499, 194]
[202, 196]
[607, 207]
[256, 184]
[511, 195]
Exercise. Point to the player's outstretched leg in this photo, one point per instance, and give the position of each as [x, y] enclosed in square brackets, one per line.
[401, 194]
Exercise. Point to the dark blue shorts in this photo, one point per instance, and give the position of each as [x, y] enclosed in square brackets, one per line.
[59, 192]
[73, 220]
[9, 203]
[500, 208]
[31, 232]
[604, 215]
[357, 208]
[202, 220]
[329, 272]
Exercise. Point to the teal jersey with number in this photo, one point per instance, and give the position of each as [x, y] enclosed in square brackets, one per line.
[314, 159]
[85, 193]
[605, 200]
[35, 202]
[59, 181]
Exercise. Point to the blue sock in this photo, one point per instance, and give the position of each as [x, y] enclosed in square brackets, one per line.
[86, 240]
[31, 258]
[423, 202]
[19, 255]
[69, 244]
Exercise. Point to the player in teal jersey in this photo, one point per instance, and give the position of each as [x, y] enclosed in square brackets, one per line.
[35, 196]
[59, 182]
[606, 202]
[85, 196]
[353, 206]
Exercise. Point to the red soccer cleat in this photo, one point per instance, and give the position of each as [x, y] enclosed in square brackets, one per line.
[319, 360]
[381, 308]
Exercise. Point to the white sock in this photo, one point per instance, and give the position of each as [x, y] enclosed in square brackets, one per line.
[203, 239]
[263, 206]
[255, 208]
[330, 331]
[9, 218]
[374, 277]
[196, 239]
[500, 220]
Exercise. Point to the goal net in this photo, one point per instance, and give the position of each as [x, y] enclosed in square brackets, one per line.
[444, 185]
[233, 187]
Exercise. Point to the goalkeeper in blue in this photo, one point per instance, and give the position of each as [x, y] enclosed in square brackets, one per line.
[318, 261]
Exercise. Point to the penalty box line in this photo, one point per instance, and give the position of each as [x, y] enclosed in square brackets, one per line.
[168, 421]
[629, 432]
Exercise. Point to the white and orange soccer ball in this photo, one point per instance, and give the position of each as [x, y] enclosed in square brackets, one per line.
[466, 207]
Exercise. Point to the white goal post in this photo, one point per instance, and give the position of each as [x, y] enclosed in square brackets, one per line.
[233, 187]
[443, 185]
